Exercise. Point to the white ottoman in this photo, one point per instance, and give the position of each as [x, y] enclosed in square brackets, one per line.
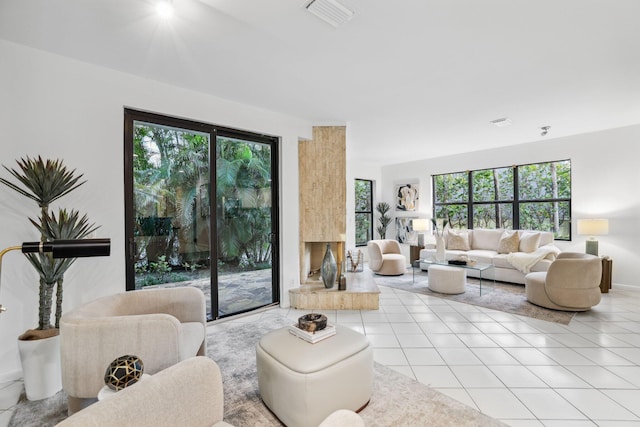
[302, 383]
[447, 280]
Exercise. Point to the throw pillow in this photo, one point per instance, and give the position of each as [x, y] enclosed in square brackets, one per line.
[529, 242]
[458, 240]
[509, 242]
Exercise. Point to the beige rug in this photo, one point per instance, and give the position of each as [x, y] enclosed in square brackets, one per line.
[502, 296]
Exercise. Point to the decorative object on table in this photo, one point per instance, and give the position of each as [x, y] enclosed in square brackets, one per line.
[439, 235]
[124, 371]
[382, 208]
[407, 197]
[312, 322]
[313, 337]
[355, 257]
[341, 279]
[45, 181]
[591, 228]
[329, 268]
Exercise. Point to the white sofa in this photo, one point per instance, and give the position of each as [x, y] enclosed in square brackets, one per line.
[513, 257]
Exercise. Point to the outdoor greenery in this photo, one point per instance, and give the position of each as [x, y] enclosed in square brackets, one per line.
[534, 196]
[364, 211]
[172, 203]
[45, 181]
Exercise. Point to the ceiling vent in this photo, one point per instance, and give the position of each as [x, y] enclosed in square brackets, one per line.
[330, 11]
[505, 121]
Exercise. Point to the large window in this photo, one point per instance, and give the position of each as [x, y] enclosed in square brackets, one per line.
[533, 197]
[364, 211]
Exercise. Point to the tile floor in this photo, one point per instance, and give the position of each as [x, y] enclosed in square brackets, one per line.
[523, 371]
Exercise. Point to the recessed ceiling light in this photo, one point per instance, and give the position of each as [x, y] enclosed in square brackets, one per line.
[330, 11]
[505, 121]
[164, 9]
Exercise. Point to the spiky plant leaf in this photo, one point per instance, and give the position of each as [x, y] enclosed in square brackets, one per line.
[43, 181]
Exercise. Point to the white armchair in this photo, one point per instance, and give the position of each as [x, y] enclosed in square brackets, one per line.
[385, 257]
[160, 326]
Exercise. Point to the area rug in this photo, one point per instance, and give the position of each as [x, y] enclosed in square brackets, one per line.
[502, 296]
[397, 400]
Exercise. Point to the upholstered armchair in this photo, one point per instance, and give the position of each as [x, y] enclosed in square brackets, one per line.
[187, 394]
[385, 257]
[572, 283]
[160, 326]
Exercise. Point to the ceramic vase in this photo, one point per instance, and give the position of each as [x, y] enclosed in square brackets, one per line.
[440, 255]
[41, 367]
[329, 268]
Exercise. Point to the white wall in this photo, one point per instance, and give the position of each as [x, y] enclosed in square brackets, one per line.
[61, 108]
[605, 181]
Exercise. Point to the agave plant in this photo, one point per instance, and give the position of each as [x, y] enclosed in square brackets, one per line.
[44, 182]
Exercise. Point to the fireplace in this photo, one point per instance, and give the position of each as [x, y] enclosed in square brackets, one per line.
[313, 253]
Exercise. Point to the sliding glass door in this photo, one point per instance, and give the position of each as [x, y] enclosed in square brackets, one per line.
[190, 184]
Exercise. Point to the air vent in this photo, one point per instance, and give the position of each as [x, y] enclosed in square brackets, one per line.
[505, 121]
[330, 11]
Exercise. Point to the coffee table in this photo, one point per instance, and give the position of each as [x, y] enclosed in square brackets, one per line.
[479, 267]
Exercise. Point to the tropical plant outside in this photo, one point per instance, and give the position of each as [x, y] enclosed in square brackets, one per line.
[44, 182]
[363, 212]
[172, 204]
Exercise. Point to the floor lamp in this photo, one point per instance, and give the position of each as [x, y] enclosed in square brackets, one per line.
[593, 227]
[79, 248]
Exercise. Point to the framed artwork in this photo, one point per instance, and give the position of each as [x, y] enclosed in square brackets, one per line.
[407, 197]
[404, 230]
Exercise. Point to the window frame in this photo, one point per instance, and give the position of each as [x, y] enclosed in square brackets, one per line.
[516, 202]
[369, 212]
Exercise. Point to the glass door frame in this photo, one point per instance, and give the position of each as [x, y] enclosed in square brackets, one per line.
[214, 131]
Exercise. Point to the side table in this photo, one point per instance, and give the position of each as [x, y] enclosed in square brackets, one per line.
[414, 253]
[605, 282]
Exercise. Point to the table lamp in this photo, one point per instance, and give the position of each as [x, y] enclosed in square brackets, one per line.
[593, 227]
[78, 248]
[420, 225]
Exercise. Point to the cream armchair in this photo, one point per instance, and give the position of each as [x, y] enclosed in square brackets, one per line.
[572, 283]
[385, 257]
[160, 326]
[186, 394]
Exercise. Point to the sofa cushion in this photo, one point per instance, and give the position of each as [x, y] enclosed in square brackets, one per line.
[509, 242]
[529, 241]
[486, 239]
[483, 256]
[458, 240]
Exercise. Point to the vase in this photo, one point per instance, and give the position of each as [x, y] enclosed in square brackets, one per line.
[329, 268]
[440, 254]
[41, 367]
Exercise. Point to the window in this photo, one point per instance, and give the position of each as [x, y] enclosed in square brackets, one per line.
[533, 197]
[364, 211]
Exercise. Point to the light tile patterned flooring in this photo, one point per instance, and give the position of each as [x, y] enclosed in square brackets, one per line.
[522, 371]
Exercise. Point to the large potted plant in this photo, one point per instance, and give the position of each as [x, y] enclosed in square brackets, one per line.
[45, 181]
[384, 219]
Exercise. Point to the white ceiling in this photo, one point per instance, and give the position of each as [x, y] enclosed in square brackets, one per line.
[411, 78]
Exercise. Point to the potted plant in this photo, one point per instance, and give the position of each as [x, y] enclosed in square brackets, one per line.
[45, 182]
[384, 219]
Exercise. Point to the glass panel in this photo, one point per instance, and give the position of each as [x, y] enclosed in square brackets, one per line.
[493, 184]
[545, 180]
[493, 215]
[363, 228]
[170, 199]
[452, 187]
[363, 195]
[547, 216]
[244, 225]
[457, 215]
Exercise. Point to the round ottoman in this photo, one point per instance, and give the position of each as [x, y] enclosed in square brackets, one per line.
[447, 280]
[302, 383]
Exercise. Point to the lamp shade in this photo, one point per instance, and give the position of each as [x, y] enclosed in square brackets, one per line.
[420, 224]
[593, 227]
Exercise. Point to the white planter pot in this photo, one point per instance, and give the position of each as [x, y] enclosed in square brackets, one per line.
[41, 367]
